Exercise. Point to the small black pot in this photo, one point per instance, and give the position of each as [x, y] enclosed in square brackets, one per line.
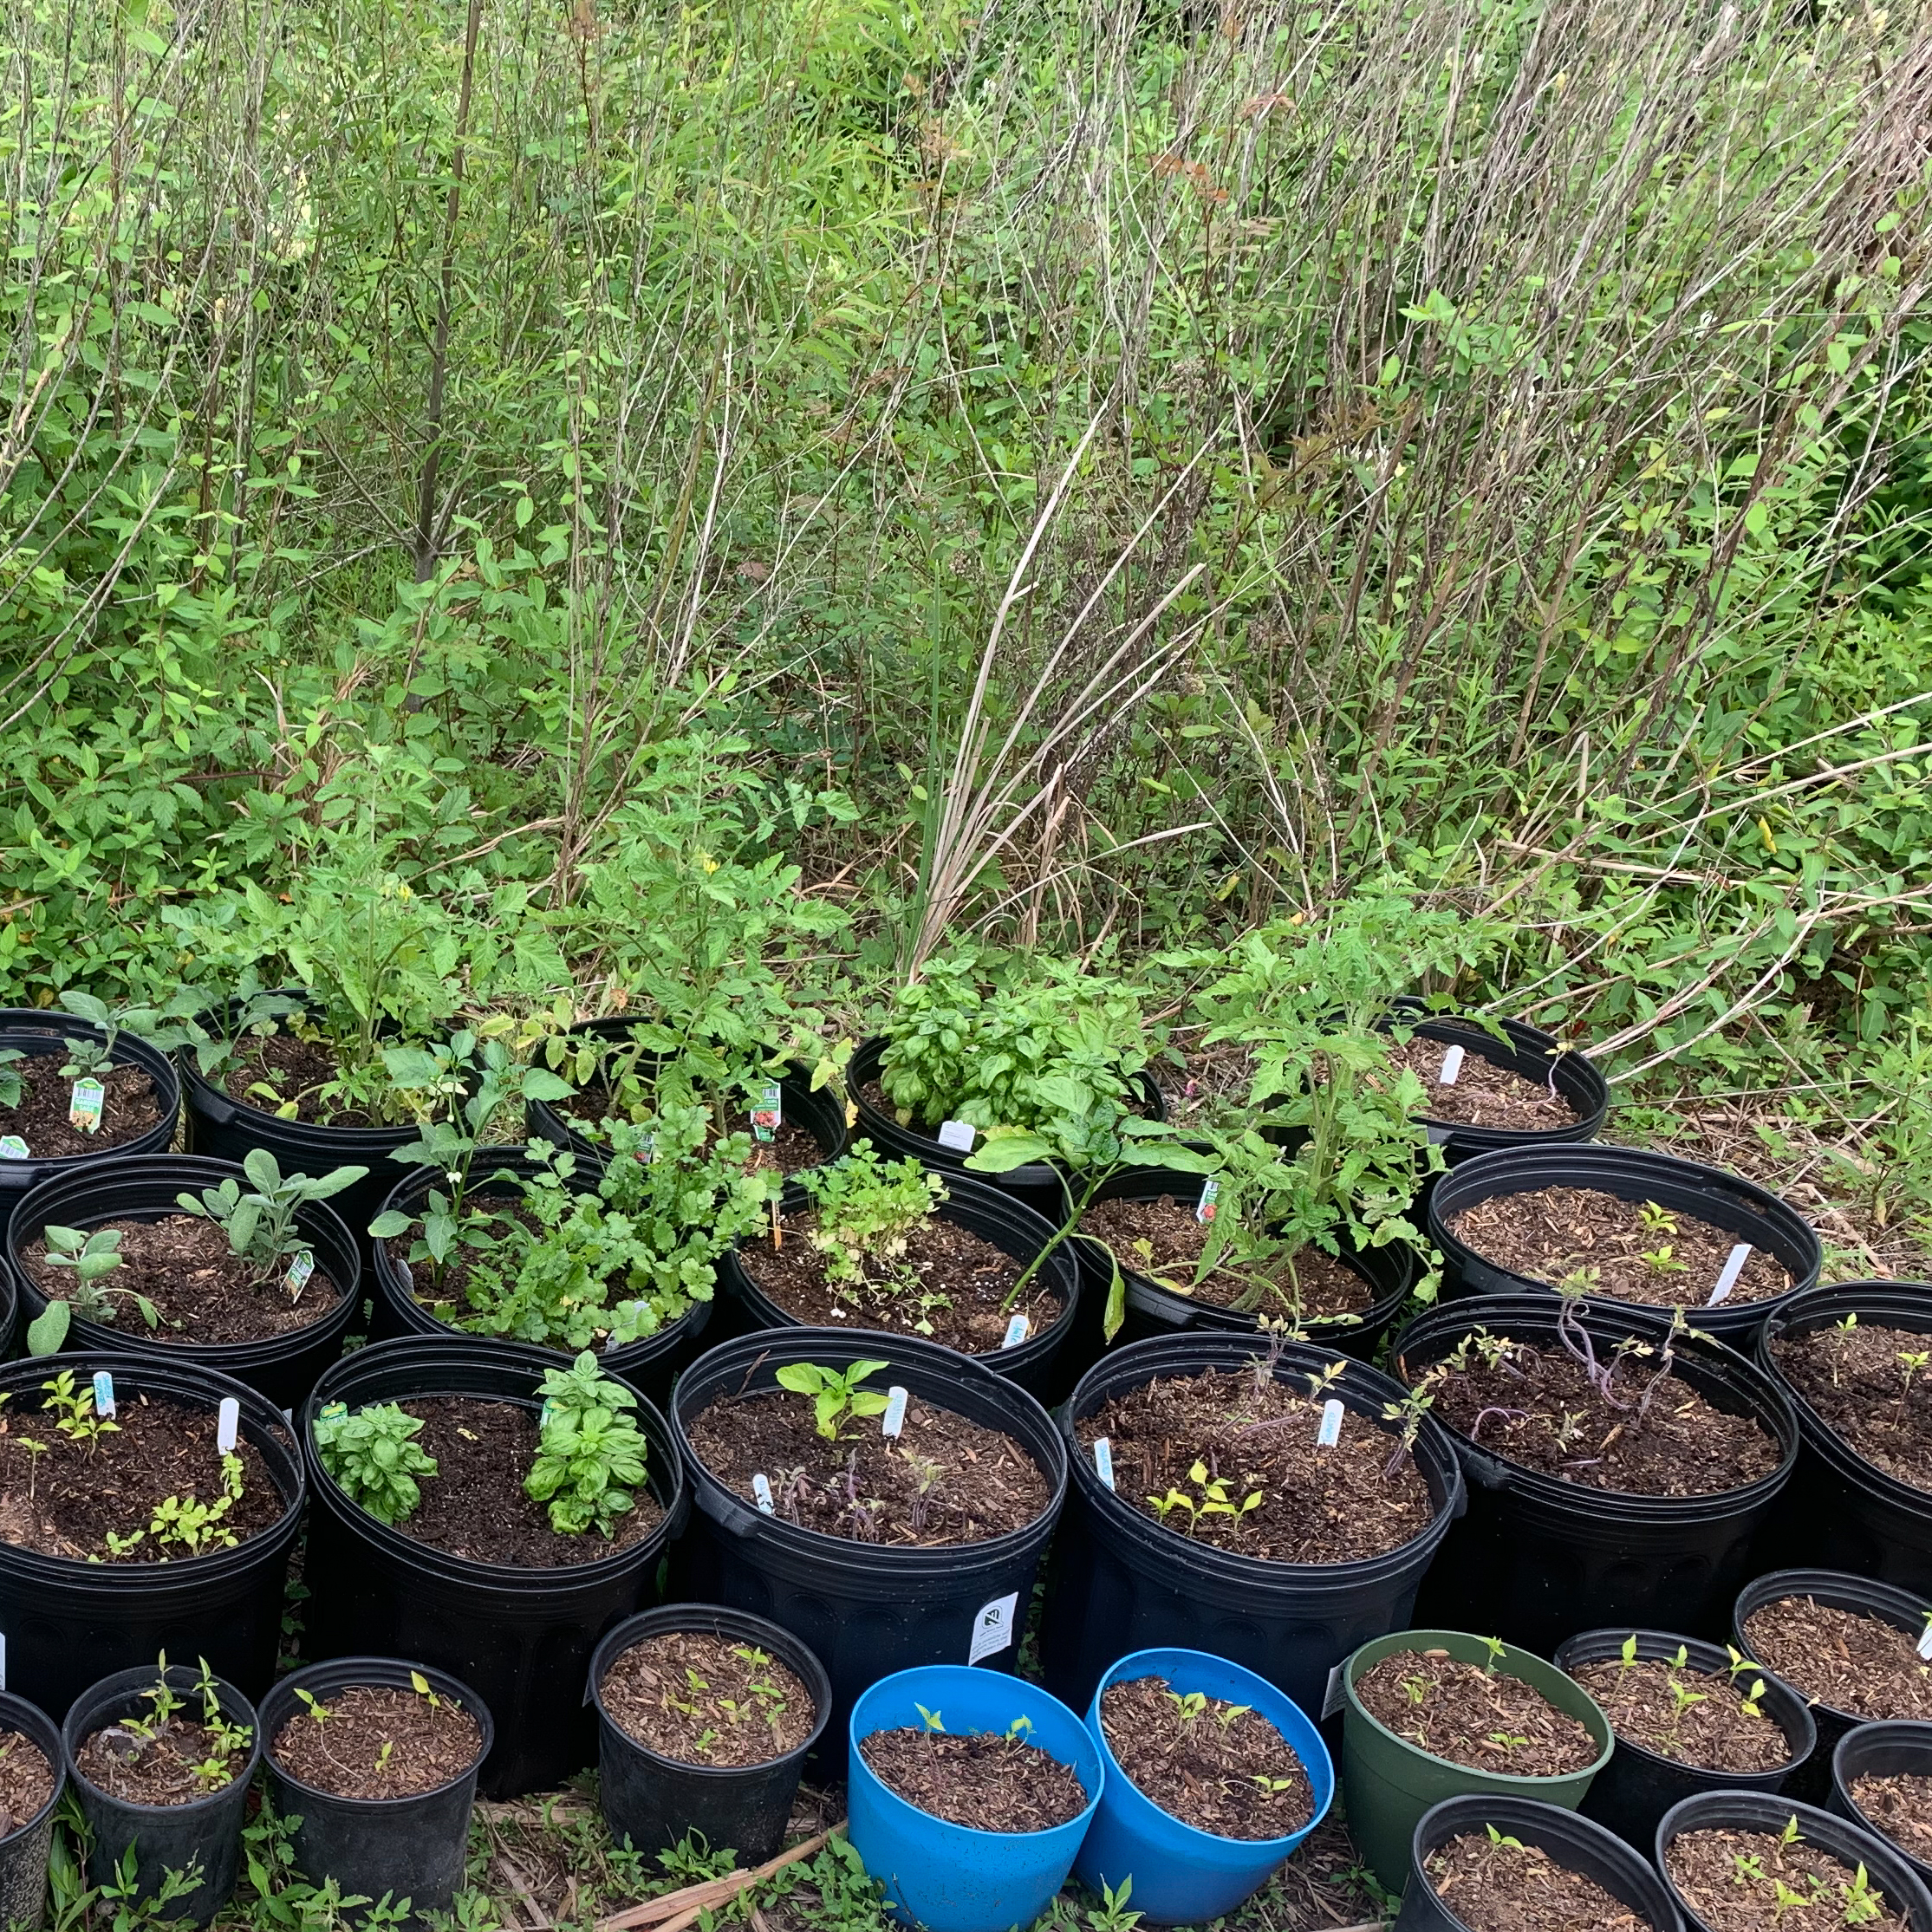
[23, 1851]
[1881, 1750]
[408, 1848]
[650, 1801]
[205, 1833]
[1638, 1785]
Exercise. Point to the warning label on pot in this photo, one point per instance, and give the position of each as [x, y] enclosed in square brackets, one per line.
[992, 1629]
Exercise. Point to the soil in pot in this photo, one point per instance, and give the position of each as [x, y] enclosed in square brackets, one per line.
[1870, 1386]
[1235, 1459]
[270, 1070]
[1634, 1250]
[978, 1779]
[1708, 1718]
[130, 1108]
[1901, 1807]
[707, 1700]
[378, 1740]
[1498, 1884]
[183, 1749]
[1482, 1094]
[1738, 1880]
[1220, 1766]
[27, 1781]
[1841, 1659]
[790, 1150]
[1475, 1714]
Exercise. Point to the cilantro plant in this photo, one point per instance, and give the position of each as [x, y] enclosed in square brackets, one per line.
[260, 1224]
[590, 1453]
[373, 1456]
[864, 1211]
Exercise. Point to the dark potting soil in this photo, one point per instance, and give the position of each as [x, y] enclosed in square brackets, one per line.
[378, 1740]
[1841, 1659]
[270, 1070]
[202, 1290]
[1704, 1720]
[1500, 1885]
[1876, 1403]
[1482, 1093]
[1555, 1234]
[1901, 1807]
[942, 1480]
[173, 1762]
[474, 1507]
[1754, 1881]
[66, 1500]
[1213, 1764]
[1536, 1405]
[26, 1781]
[1475, 1716]
[978, 1779]
[1162, 1240]
[1252, 1436]
[790, 1149]
[948, 1284]
[130, 1108]
[707, 1700]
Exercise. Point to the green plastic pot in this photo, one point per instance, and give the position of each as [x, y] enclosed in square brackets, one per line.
[1387, 1783]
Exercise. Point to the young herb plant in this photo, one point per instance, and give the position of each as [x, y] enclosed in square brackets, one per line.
[94, 1258]
[834, 1395]
[261, 1223]
[590, 1453]
[373, 1456]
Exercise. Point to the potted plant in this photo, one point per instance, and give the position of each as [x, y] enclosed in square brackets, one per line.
[33, 1778]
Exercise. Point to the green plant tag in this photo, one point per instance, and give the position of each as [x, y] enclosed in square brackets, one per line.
[12, 1147]
[83, 1110]
[335, 1409]
[300, 1269]
[769, 1115]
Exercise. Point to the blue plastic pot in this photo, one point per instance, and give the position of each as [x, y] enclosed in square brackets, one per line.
[1182, 1876]
[949, 1877]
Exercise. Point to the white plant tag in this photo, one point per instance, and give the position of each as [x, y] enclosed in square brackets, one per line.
[228, 1425]
[761, 1492]
[958, 1135]
[1334, 1696]
[1016, 1332]
[12, 1147]
[300, 1269]
[1925, 1644]
[3, 1659]
[1205, 1209]
[1728, 1275]
[1330, 1431]
[769, 1115]
[83, 1110]
[893, 1419]
[992, 1629]
[1452, 1065]
[103, 1394]
[1104, 1459]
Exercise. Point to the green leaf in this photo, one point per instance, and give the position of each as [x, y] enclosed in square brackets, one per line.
[389, 1224]
[1003, 1152]
[46, 1332]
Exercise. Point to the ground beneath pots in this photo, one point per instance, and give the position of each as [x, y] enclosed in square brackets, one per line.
[1474, 1716]
[270, 1070]
[1558, 1234]
[1901, 1807]
[142, 1762]
[1704, 1720]
[130, 1108]
[202, 1291]
[378, 1740]
[1483, 1094]
[1841, 1659]
[1536, 1405]
[978, 1779]
[1254, 1436]
[707, 1700]
[943, 1480]
[1215, 1764]
[1500, 1885]
[26, 1781]
[1878, 1403]
[475, 1507]
[1752, 1881]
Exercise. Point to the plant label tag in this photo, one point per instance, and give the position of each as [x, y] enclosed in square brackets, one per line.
[992, 1629]
[1925, 1644]
[893, 1419]
[1452, 1065]
[3, 1661]
[1436, 1134]
[103, 1394]
[1104, 1459]
[12, 1147]
[1334, 1698]
[1728, 1275]
[957, 1135]
[300, 1269]
[1330, 1431]
[1210, 1193]
[1016, 1332]
[335, 1409]
[83, 1110]
[769, 1115]
[228, 1425]
[761, 1492]
[646, 1149]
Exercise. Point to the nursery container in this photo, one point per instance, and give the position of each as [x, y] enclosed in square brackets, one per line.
[1728, 1201]
[1888, 1870]
[951, 1877]
[204, 1834]
[1842, 1513]
[1009, 1225]
[23, 1851]
[521, 1638]
[1120, 1581]
[144, 1187]
[1536, 1559]
[66, 1619]
[1182, 1874]
[1638, 1785]
[866, 1609]
[1881, 1750]
[1389, 1782]
[649, 1800]
[1572, 1840]
[408, 1848]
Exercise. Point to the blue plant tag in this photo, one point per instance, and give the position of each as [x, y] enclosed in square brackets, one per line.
[1016, 1332]
[1330, 1431]
[1103, 1459]
[103, 1394]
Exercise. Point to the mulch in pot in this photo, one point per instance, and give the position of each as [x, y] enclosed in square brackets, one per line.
[1844, 1659]
[1482, 1093]
[173, 1761]
[1740, 1881]
[1217, 1766]
[978, 1779]
[1475, 1716]
[1690, 1716]
[378, 1740]
[1901, 1807]
[707, 1700]
[1878, 1405]
[270, 1070]
[130, 1108]
[790, 1149]
[26, 1781]
[1500, 1884]
[1250, 1435]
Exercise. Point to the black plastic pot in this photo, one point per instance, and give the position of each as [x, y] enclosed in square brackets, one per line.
[1009, 1225]
[66, 1619]
[521, 1638]
[408, 1848]
[143, 1187]
[866, 1609]
[1878, 1751]
[1572, 1841]
[1638, 1785]
[1844, 1513]
[1888, 1870]
[204, 1834]
[1726, 1201]
[1536, 1559]
[23, 1851]
[1119, 1580]
[650, 1801]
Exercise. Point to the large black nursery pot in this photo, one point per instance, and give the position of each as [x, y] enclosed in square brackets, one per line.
[1571, 1840]
[866, 1609]
[522, 1638]
[143, 1187]
[1890, 1750]
[409, 1847]
[1009, 1225]
[202, 1838]
[67, 1620]
[650, 1801]
[24, 1851]
[1120, 1581]
[1741, 1208]
[1638, 1785]
[1536, 1559]
[1844, 1513]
